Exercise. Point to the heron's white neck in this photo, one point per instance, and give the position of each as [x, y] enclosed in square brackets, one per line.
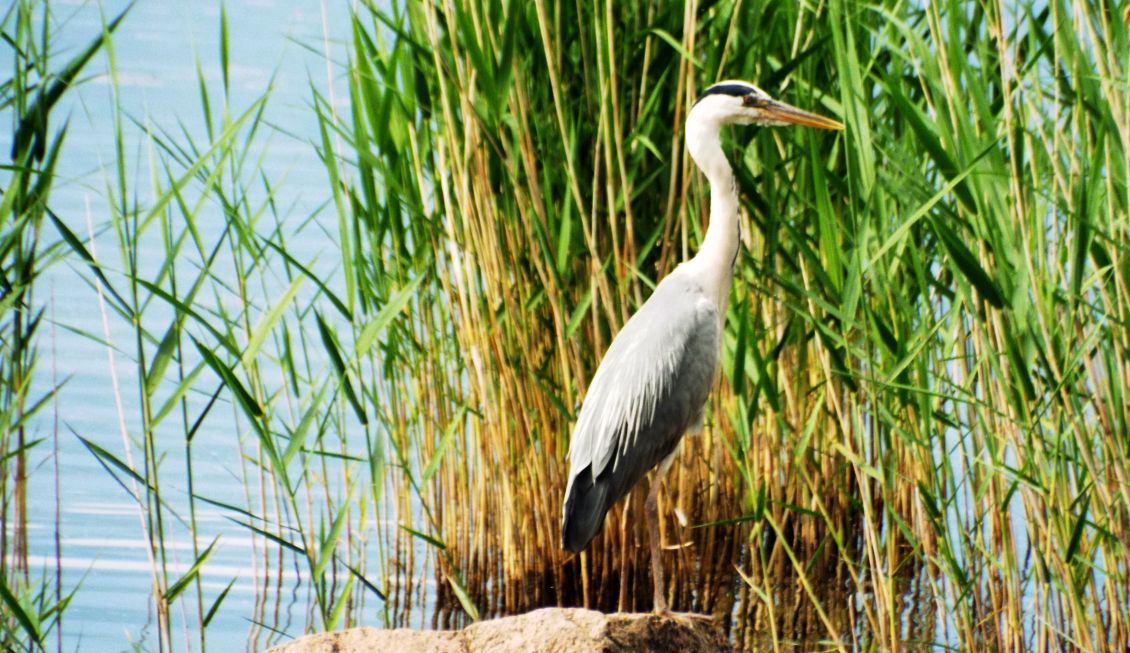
[720, 247]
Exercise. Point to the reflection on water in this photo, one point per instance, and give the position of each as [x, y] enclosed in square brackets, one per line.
[804, 614]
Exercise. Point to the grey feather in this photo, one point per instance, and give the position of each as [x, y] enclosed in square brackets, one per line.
[648, 390]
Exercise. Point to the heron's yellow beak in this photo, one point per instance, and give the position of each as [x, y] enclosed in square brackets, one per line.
[786, 113]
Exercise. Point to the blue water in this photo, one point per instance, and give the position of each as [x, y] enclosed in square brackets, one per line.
[157, 49]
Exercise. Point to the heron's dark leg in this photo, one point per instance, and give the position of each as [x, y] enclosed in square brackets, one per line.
[659, 600]
[625, 552]
[651, 507]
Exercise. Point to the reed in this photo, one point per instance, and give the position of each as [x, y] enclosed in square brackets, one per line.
[32, 600]
[205, 283]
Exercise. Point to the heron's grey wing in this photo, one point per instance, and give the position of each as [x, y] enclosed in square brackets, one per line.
[649, 388]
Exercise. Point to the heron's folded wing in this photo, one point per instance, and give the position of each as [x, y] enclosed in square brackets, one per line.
[660, 366]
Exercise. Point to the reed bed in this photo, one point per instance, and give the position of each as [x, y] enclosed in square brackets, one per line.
[919, 438]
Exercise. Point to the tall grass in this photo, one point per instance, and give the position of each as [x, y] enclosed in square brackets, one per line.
[32, 600]
[919, 436]
[219, 338]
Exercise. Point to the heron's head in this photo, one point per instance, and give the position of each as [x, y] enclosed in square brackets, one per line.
[742, 103]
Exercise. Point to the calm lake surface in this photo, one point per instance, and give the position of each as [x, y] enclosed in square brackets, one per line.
[157, 49]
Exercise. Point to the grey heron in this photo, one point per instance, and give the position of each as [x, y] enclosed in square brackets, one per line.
[651, 386]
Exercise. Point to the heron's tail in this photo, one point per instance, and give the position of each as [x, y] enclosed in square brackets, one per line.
[586, 503]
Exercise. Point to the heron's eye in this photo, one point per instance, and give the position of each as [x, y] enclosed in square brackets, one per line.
[753, 100]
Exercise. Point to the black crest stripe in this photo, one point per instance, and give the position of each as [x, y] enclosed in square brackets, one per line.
[736, 90]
